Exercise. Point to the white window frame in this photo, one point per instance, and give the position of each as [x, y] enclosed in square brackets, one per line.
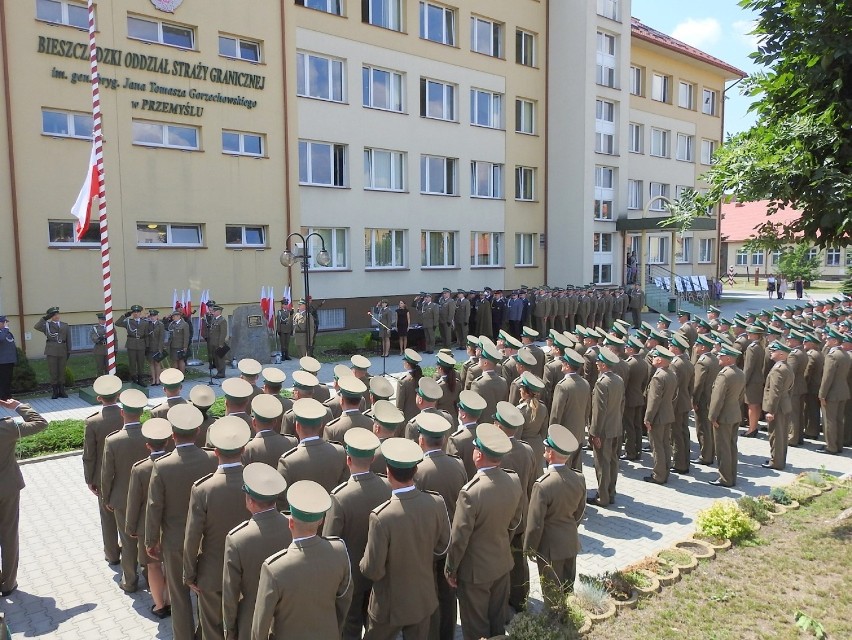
[637, 75]
[525, 249]
[813, 253]
[65, 13]
[244, 243]
[450, 177]
[661, 88]
[608, 9]
[449, 27]
[371, 80]
[685, 147]
[832, 257]
[242, 136]
[635, 137]
[525, 184]
[449, 108]
[848, 257]
[335, 69]
[496, 47]
[493, 242]
[775, 257]
[337, 158]
[336, 243]
[710, 102]
[706, 254]
[757, 259]
[635, 194]
[167, 129]
[486, 179]
[686, 95]
[71, 124]
[605, 59]
[708, 148]
[604, 204]
[659, 189]
[398, 248]
[604, 127]
[391, 14]
[449, 241]
[525, 48]
[171, 227]
[660, 142]
[238, 48]
[69, 240]
[602, 256]
[161, 38]
[326, 6]
[525, 110]
[685, 255]
[494, 104]
[396, 162]
[742, 258]
[658, 254]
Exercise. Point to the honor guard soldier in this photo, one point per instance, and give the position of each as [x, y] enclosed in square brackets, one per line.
[123, 449]
[707, 369]
[304, 384]
[156, 432]
[470, 368]
[250, 370]
[461, 443]
[406, 392]
[380, 389]
[387, 422]
[98, 426]
[535, 415]
[284, 327]
[312, 365]
[528, 338]
[351, 391]
[273, 381]
[777, 406]
[349, 518]
[361, 370]
[405, 533]
[155, 345]
[556, 507]
[524, 363]
[479, 558]
[429, 393]
[634, 399]
[450, 385]
[490, 385]
[306, 589]
[57, 348]
[725, 413]
[572, 402]
[461, 318]
[237, 393]
[430, 313]
[685, 373]
[248, 544]
[202, 398]
[217, 340]
[168, 506]
[660, 415]
[797, 361]
[178, 340]
[303, 327]
[98, 336]
[754, 357]
[216, 505]
[11, 483]
[834, 391]
[268, 443]
[605, 428]
[137, 333]
[813, 378]
[172, 381]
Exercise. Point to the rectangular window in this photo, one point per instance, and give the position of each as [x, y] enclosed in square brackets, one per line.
[153, 234]
[604, 192]
[486, 37]
[244, 235]
[661, 88]
[486, 249]
[604, 127]
[382, 89]
[243, 144]
[705, 250]
[686, 95]
[849, 257]
[685, 147]
[72, 14]
[684, 253]
[602, 243]
[659, 143]
[742, 257]
[659, 189]
[757, 259]
[524, 249]
[775, 258]
[608, 9]
[384, 248]
[335, 240]
[486, 109]
[658, 250]
[328, 6]
[437, 100]
[61, 233]
[239, 48]
[605, 70]
[382, 13]
[322, 164]
[602, 274]
[636, 81]
[160, 32]
[439, 175]
[709, 102]
[602, 258]
[330, 319]
[384, 170]
[438, 249]
[319, 77]
[525, 183]
[813, 253]
[437, 23]
[525, 48]
[634, 137]
[66, 124]
[832, 257]
[171, 136]
[634, 194]
[524, 116]
[486, 179]
[708, 148]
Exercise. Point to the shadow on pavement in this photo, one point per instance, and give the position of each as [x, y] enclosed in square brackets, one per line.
[38, 615]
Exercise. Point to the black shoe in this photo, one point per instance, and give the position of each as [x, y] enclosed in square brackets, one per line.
[716, 483]
[128, 588]
[163, 613]
[747, 434]
[8, 592]
[647, 448]
[62, 393]
[679, 471]
[651, 479]
[113, 563]
[766, 465]
[55, 392]
[287, 358]
[701, 462]
[825, 450]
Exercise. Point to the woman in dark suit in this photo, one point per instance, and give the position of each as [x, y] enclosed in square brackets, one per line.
[403, 319]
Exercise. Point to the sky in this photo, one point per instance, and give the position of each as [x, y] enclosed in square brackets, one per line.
[718, 27]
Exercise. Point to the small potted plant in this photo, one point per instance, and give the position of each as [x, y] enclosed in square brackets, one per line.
[623, 595]
[802, 493]
[665, 573]
[699, 548]
[680, 558]
[755, 509]
[780, 496]
[814, 479]
[591, 596]
[725, 520]
[643, 581]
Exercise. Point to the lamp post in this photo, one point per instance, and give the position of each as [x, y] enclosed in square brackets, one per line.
[288, 259]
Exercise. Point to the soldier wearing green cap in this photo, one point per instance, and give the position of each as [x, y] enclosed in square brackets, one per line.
[528, 338]
[724, 413]
[813, 379]
[660, 414]
[406, 392]
[268, 443]
[754, 357]
[572, 401]
[172, 381]
[137, 334]
[179, 339]
[605, 427]
[216, 334]
[776, 405]
[684, 371]
[155, 345]
[706, 369]
[470, 368]
[479, 558]
[57, 348]
[556, 507]
[834, 392]
[121, 450]
[471, 407]
[306, 589]
[524, 363]
[490, 385]
[797, 360]
[247, 545]
[634, 399]
[351, 393]
[348, 518]
[536, 415]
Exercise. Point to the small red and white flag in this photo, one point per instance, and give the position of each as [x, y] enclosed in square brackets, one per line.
[82, 209]
[270, 308]
[187, 303]
[205, 296]
[264, 302]
[175, 303]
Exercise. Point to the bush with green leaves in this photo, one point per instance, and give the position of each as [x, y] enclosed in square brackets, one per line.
[60, 435]
[724, 519]
[23, 376]
[535, 626]
[779, 495]
[637, 579]
[754, 509]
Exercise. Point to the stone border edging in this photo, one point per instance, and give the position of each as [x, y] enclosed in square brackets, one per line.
[52, 456]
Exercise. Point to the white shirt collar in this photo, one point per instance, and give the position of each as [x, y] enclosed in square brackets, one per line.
[310, 438]
[403, 490]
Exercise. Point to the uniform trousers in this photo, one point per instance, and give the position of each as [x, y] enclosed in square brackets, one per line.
[210, 615]
[606, 469]
[847, 424]
[101, 364]
[301, 340]
[129, 551]
[418, 631]
[725, 440]
[182, 620]
[136, 358]
[680, 441]
[443, 623]
[812, 415]
[429, 338]
[572, 321]
[446, 331]
[779, 431]
[541, 326]
[637, 317]
[557, 580]
[220, 363]
[559, 323]
[632, 423]
[661, 445]
[9, 519]
[461, 334]
[796, 419]
[519, 576]
[6, 370]
[482, 607]
[109, 533]
[356, 617]
[56, 368]
[706, 436]
[833, 420]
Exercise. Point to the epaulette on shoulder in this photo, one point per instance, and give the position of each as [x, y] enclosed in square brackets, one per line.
[511, 472]
[452, 455]
[432, 493]
[544, 475]
[378, 510]
[112, 433]
[94, 415]
[138, 462]
[458, 432]
[163, 457]
[276, 556]
[289, 453]
[242, 525]
[202, 479]
[332, 422]
[333, 539]
[339, 487]
[471, 482]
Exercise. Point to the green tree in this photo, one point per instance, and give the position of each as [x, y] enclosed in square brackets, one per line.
[796, 263]
[799, 153]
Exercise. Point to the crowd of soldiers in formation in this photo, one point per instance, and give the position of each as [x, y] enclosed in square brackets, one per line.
[377, 509]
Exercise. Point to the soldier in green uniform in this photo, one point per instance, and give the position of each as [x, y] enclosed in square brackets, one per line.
[284, 327]
[172, 380]
[834, 391]
[660, 414]
[460, 443]
[572, 401]
[490, 384]
[461, 318]
[137, 333]
[605, 426]
[724, 413]
[178, 340]
[776, 405]
[217, 340]
[351, 391]
[98, 336]
[155, 345]
[684, 371]
[57, 348]
[429, 317]
[706, 370]
[268, 443]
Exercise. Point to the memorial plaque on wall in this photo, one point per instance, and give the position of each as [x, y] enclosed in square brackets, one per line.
[249, 336]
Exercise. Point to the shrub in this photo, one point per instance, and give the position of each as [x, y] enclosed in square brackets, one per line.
[348, 347]
[617, 585]
[122, 370]
[779, 495]
[60, 435]
[724, 519]
[754, 509]
[591, 596]
[23, 375]
[531, 626]
[218, 408]
[768, 503]
[813, 478]
[801, 492]
[676, 557]
[637, 579]
[69, 377]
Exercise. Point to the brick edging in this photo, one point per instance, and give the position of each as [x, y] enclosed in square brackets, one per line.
[52, 456]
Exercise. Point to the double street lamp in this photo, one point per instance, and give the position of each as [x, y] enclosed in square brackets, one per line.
[290, 257]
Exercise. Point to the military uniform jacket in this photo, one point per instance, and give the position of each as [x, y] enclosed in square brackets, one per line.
[217, 504]
[689, 332]
[461, 444]
[493, 389]
[509, 370]
[304, 591]
[706, 369]
[11, 479]
[488, 511]
[834, 386]
[412, 432]
[137, 332]
[590, 367]
[726, 398]
[98, 426]
[448, 401]
[317, 460]
[268, 446]
[607, 406]
[779, 385]
[155, 338]
[462, 313]
[637, 299]
[637, 382]
[335, 430]
[685, 373]
[467, 368]
[246, 547]
[122, 450]
[217, 332]
[534, 428]
[429, 315]
[662, 391]
[572, 404]
[753, 369]
[179, 335]
[162, 409]
[97, 334]
[797, 360]
[58, 337]
[556, 507]
[521, 460]
[813, 371]
[137, 494]
[446, 310]
[552, 375]
[406, 397]
[442, 473]
[168, 494]
[539, 356]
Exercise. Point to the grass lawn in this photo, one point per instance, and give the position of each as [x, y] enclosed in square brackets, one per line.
[803, 563]
[818, 286]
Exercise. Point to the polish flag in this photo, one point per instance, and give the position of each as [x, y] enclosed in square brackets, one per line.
[264, 302]
[270, 308]
[187, 305]
[175, 303]
[205, 296]
[82, 209]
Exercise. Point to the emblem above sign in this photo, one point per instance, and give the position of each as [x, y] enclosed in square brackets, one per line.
[168, 6]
